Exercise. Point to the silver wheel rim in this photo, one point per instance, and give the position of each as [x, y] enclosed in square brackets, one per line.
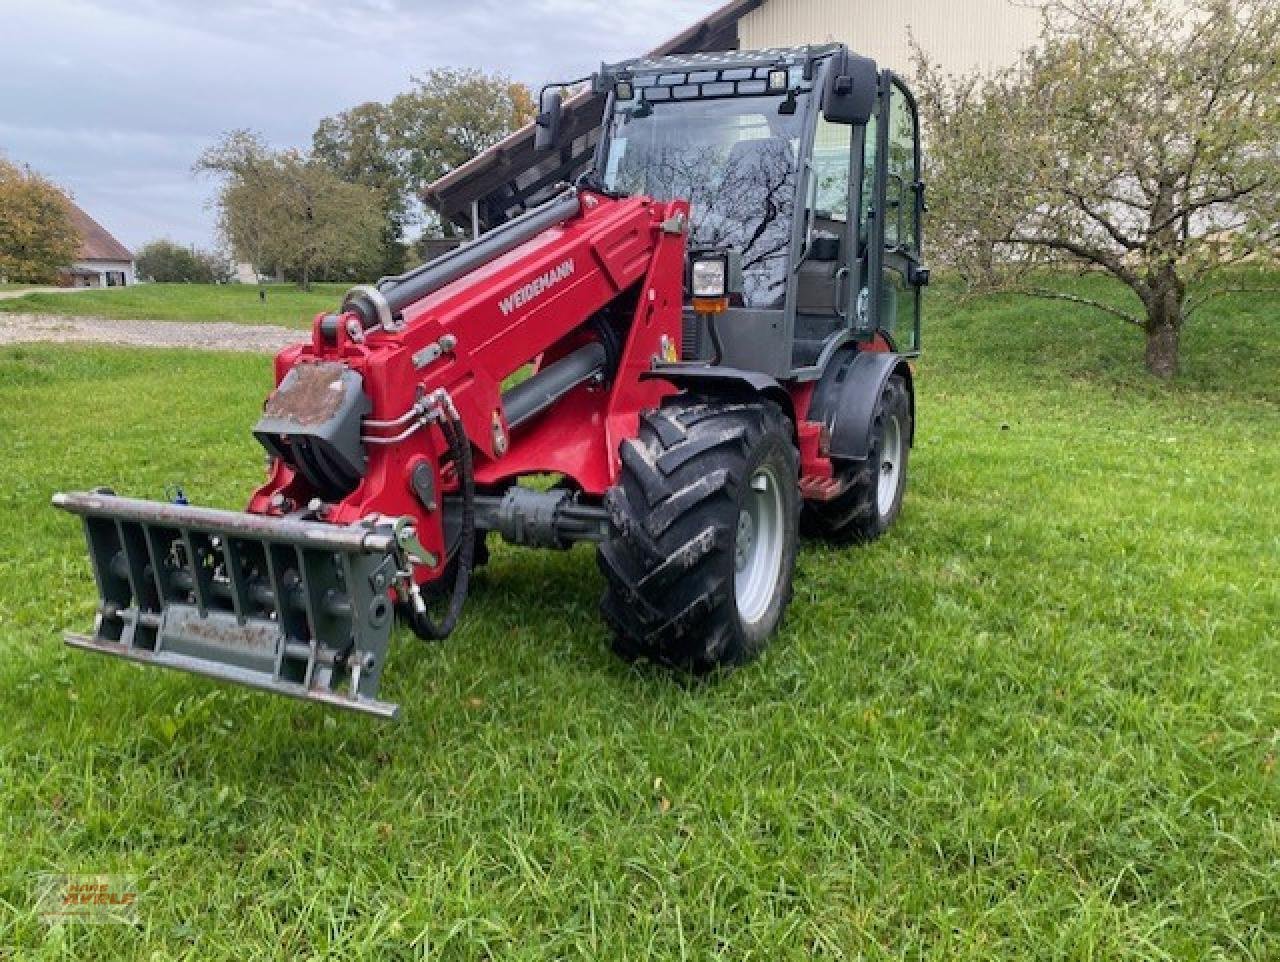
[758, 546]
[890, 465]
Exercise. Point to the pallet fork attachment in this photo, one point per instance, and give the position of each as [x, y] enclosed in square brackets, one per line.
[299, 608]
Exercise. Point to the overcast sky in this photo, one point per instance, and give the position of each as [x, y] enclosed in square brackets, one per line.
[114, 99]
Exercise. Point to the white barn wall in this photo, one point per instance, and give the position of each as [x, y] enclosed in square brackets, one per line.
[959, 34]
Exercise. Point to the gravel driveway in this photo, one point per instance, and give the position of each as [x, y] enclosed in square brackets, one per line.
[203, 336]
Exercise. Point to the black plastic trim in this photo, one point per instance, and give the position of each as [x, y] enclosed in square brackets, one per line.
[725, 381]
[846, 397]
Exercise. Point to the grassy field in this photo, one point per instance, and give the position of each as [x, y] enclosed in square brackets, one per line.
[284, 303]
[1040, 720]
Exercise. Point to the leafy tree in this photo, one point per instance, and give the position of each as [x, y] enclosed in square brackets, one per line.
[449, 116]
[290, 214]
[165, 262]
[360, 146]
[1140, 138]
[37, 236]
[445, 119]
[248, 167]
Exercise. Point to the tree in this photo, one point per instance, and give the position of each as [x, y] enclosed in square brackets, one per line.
[1140, 138]
[398, 148]
[37, 236]
[165, 262]
[360, 146]
[451, 116]
[247, 165]
[290, 214]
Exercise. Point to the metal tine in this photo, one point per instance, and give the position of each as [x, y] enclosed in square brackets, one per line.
[283, 617]
[349, 587]
[96, 530]
[278, 591]
[139, 554]
[159, 547]
[313, 611]
[235, 575]
[136, 555]
[349, 583]
[156, 556]
[115, 588]
[130, 571]
[197, 573]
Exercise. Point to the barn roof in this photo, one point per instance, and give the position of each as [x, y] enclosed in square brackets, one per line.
[96, 242]
[509, 174]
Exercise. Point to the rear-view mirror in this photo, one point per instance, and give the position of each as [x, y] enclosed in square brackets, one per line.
[546, 133]
[850, 93]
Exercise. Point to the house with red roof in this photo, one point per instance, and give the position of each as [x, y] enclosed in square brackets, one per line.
[102, 261]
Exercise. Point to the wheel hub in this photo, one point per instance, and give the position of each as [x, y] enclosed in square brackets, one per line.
[746, 540]
[890, 465]
[759, 544]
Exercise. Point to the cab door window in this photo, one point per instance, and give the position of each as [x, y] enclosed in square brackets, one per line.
[900, 226]
[868, 186]
[831, 149]
[899, 307]
[822, 279]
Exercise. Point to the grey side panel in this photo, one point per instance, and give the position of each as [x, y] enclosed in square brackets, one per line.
[754, 339]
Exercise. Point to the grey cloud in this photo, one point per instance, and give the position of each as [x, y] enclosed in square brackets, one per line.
[114, 99]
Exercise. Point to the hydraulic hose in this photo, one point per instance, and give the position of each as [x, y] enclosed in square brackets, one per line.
[420, 619]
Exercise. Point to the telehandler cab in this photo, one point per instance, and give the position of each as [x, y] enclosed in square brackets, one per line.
[719, 320]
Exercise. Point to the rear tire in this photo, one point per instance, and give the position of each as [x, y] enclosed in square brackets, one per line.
[704, 518]
[871, 503]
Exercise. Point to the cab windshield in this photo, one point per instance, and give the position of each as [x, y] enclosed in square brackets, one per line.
[734, 160]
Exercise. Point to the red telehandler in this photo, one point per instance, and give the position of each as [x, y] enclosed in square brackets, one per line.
[718, 319]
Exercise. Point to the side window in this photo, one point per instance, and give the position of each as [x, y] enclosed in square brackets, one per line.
[900, 224]
[868, 178]
[831, 147]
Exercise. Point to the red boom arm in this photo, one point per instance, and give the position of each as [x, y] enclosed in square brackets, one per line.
[617, 262]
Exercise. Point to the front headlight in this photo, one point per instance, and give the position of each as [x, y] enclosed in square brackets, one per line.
[709, 278]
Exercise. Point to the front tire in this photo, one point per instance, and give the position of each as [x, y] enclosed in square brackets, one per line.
[705, 516]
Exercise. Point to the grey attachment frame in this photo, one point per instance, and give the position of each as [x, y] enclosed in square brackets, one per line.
[299, 608]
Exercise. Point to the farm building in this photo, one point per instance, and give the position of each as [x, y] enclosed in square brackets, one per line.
[959, 34]
[102, 261]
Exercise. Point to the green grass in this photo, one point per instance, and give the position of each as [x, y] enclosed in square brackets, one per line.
[284, 304]
[1040, 720]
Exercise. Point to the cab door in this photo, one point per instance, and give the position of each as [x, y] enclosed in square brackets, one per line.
[822, 288]
[892, 213]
